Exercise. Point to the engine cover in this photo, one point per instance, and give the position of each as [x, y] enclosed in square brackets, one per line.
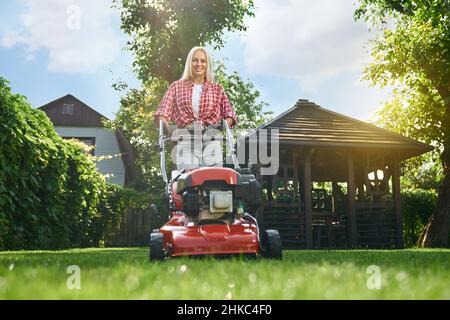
[221, 201]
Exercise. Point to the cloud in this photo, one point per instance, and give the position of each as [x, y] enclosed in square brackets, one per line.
[310, 41]
[79, 35]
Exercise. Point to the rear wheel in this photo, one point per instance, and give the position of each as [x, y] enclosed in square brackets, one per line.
[271, 244]
[156, 247]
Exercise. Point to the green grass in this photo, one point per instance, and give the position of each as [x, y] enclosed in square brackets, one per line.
[125, 273]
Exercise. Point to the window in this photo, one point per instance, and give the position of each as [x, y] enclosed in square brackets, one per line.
[67, 108]
[88, 141]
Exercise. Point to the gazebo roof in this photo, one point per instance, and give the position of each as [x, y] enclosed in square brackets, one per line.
[307, 124]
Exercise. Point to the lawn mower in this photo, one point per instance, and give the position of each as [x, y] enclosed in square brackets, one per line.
[212, 211]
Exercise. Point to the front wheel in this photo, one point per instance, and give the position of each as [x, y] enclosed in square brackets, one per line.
[271, 244]
[156, 247]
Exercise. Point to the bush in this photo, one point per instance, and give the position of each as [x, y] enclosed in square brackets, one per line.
[418, 206]
[49, 188]
[51, 194]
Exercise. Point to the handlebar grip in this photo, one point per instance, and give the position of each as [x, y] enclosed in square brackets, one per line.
[161, 127]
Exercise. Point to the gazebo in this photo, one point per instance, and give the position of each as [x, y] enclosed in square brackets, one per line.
[338, 183]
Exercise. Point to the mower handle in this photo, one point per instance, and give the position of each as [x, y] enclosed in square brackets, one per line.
[230, 142]
[162, 152]
[162, 140]
[180, 138]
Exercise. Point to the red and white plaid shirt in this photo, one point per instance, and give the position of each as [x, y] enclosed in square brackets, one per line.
[177, 104]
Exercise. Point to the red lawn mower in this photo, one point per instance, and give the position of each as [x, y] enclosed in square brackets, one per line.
[212, 211]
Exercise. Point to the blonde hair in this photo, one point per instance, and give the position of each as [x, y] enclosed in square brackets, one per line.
[187, 73]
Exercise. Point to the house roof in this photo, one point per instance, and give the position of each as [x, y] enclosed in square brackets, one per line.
[85, 116]
[308, 124]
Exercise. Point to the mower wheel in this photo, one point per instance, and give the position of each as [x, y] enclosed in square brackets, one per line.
[271, 244]
[156, 247]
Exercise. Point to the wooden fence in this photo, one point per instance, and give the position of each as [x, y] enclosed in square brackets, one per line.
[134, 230]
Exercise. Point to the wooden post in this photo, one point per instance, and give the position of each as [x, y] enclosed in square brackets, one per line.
[308, 202]
[351, 202]
[297, 188]
[296, 184]
[334, 190]
[397, 206]
[258, 172]
[360, 184]
[275, 187]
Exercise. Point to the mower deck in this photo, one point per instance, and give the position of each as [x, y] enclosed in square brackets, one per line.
[212, 239]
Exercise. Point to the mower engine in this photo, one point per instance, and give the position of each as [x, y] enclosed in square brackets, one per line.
[208, 204]
[206, 195]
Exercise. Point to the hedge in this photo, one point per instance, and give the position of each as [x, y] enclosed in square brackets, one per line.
[49, 189]
[51, 194]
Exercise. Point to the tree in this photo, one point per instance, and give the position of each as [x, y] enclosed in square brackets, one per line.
[414, 58]
[136, 120]
[244, 97]
[162, 33]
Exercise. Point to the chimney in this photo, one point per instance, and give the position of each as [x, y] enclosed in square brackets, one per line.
[301, 102]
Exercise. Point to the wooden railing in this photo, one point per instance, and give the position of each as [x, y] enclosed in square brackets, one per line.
[290, 224]
[375, 224]
[376, 228]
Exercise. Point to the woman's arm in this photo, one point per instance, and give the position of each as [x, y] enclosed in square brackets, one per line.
[227, 111]
[165, 108]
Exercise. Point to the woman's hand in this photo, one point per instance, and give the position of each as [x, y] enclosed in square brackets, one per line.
[164, 119]
[229, 121]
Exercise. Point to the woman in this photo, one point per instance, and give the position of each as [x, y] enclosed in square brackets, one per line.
[196, 98]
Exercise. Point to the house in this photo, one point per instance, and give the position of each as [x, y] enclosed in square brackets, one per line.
[73, 118]
[338, 183]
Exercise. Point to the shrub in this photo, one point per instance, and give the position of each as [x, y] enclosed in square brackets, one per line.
[49, 188]
[51, 194]
[417, 205]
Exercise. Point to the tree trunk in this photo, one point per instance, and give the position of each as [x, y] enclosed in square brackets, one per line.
[436, 232]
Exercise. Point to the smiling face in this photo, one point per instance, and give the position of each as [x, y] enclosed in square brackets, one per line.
[198, 65]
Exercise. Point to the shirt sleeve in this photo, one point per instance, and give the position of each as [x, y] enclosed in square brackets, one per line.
[227, 110]
[166, 105]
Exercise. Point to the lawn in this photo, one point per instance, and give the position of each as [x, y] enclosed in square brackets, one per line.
[125, 273]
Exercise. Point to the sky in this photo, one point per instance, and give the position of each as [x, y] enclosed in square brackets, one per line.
[292, 49]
